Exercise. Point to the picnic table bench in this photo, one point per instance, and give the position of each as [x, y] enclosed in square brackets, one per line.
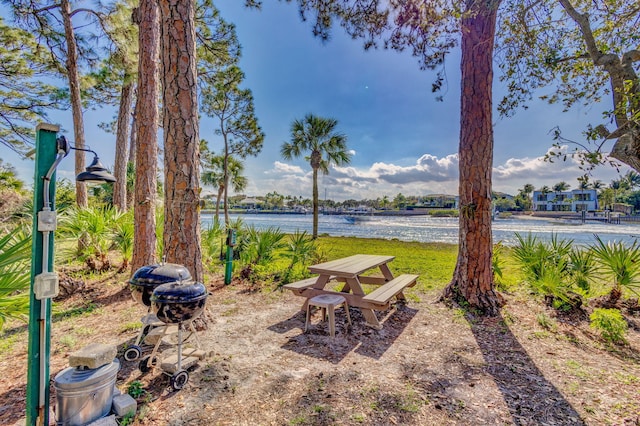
[350, 271]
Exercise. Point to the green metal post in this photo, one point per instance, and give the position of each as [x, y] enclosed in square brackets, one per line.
[228, 271]
[231, 242]
[40, 310]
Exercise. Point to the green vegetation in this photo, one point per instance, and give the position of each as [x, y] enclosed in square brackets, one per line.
[15, 251]
[98, 230]
[620, 264]
[546, 268]
[566, 275]
[136, 389]
[610, 324]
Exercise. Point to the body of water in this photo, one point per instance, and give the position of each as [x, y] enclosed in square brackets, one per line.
[438, 229]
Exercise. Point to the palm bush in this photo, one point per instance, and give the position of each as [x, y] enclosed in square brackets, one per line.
[123, 231]
[15, 253]
[300, 249]
[261, 247]
[94, 227]
[258, 249]
[537, 257]
[213, 241]
[582, 268]
[549, 269]
[620, 264]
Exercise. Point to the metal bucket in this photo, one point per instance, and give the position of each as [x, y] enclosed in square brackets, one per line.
[83, 396]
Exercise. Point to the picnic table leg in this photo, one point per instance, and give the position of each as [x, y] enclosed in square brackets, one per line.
[368, 314]
[372, 320]
[386, 272]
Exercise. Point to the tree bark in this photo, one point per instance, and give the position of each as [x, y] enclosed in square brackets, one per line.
[133, 138]
[315, 204]
[472, 282]
[76, 100]
[181, 139]
[146, 119]
[316, 158]
[225, 180]
[122, 146]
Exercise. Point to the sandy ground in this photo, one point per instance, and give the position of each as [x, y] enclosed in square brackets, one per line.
[429, 365]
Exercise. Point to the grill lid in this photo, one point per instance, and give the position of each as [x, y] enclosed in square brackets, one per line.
[153, 275]
[179, 293]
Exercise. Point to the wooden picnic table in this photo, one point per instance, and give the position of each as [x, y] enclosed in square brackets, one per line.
[350, 270]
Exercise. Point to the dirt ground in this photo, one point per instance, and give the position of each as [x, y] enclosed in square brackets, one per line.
[429, 365]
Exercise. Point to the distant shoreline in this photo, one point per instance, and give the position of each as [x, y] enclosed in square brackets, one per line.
[341, 213]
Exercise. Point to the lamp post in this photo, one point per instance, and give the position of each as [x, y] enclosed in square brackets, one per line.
[50, 151]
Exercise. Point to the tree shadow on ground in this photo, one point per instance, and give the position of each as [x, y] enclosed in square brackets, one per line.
[531, 398]
[359, 337]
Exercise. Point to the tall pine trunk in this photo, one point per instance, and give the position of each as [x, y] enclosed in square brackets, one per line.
[225, 180]
[133, 138]
[472, 281]
[181, 140]
[146, 119]
[76, 100]
[122, 145]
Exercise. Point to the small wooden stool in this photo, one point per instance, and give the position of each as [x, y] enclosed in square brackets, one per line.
[327, 302]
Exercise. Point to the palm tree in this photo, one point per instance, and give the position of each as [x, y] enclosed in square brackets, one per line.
[583, 182]
[213, 174]
[561, 186]
[525, 194]
[632, 179]
[616, 185]
[317, 135]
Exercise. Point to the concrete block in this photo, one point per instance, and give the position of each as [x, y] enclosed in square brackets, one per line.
[93, 356]
[158, 333]
[104, 421]
[124, 404]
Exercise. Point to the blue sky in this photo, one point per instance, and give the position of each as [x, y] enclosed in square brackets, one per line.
[403, 140]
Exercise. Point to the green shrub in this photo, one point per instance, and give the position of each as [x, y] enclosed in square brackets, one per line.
[136, 389]
[497, 260]
[610, 323]
[94, 228]
[582, 268]
[300, 249]
[443, 213]
[620, 264]
[213, 243]
[549, 270]
[123, 232]
[15, 254]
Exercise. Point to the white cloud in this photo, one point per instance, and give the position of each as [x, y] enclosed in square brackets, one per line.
[429, 174]
[283, 168]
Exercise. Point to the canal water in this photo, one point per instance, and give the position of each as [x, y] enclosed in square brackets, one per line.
[438, 229]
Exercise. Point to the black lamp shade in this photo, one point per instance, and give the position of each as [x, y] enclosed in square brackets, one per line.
[95, 172]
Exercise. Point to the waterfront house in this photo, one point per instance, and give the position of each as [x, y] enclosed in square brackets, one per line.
[576, 200]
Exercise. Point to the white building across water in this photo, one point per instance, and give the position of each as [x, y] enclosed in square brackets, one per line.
[576, 200]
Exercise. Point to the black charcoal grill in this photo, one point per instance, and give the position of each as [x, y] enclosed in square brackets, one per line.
[142, 284]
[176, 303]
[145, 280]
